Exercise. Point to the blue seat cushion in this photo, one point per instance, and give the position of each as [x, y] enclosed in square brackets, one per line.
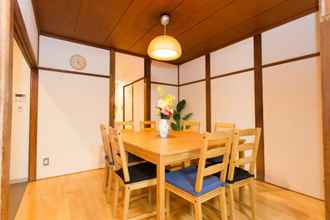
[240, 174]
[214, 160]
[185, 179]
[139, 172]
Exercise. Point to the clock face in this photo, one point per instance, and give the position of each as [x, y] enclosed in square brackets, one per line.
[78, 62]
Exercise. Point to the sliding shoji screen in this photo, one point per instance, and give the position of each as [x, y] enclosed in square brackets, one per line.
[292, 107]
[71, 108]
[163, 75]
[194, 92]
[233, 93]
[129, 78]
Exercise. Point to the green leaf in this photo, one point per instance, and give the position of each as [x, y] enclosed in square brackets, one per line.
[187, 116]
[174, 126]
[181, 105]
[176, 116]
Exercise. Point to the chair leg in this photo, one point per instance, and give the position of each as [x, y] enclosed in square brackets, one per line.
[109, 187]
[231, 202]
[198, 210]
[150, 196]
[223, 205]
[127, 193]
[115, 197]
[251, 186]
[168, 204]
[106, 178]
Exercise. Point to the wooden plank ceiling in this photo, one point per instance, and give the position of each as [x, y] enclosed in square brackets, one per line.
[201, 26]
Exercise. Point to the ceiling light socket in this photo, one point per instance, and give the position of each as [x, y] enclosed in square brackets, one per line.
[165, 19]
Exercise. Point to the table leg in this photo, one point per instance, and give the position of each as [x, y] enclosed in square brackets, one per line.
[160, 191]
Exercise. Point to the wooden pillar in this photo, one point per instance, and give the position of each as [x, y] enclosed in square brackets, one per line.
[147, 91]
[258, 103]
[33, 124]
[112, 88]
[6, 59]
[208, 92]
[325, 62]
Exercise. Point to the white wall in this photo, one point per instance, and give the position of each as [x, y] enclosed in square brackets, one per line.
[294, 39]
[71, 108]
[128, 103]
[292, 108]
[138, 104]
[232, 100]
[238, 56]
[56, 54]
[193, 70]
[19, 162]
[163, 73]
[26, 8]
[128, 67]
[194, 93]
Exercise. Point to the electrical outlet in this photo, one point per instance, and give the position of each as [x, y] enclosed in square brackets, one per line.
[45, 161]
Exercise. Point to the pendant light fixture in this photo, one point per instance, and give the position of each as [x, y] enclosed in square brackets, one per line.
[164, 47]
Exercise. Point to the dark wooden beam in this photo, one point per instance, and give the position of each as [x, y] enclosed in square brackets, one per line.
[6, 80]
[259, 112]
[112, 88]
[208, 92]
[34, 81]
[325, 60]
[72, 72]
[147, 91]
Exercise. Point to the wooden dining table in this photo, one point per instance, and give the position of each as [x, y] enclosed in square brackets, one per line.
[177, 147]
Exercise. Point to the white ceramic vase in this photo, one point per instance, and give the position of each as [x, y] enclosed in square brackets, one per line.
[163, 128]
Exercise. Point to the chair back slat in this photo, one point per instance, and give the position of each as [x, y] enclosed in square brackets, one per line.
[224, 126]
[147, 125]
[124, 125]
[250, 148]
[106, 141]
[119, 152]
[215, 145]
[190, 125]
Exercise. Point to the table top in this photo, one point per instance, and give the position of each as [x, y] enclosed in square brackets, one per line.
[175, 143]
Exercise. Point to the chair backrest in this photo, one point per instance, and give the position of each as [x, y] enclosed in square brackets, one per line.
[118, 152]
[124, 125]
[190, 125]
[106, 141]
[147, 125]
[224, 126]
[215, 145]
[248, 148]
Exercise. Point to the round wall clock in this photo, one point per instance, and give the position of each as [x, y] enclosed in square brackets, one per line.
[78, 62]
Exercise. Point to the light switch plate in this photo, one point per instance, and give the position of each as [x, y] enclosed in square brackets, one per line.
[45, 161]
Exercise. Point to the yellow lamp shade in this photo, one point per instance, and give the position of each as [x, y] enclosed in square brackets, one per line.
[164, 47]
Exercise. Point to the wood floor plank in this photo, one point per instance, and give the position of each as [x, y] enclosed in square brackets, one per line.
[80, 196]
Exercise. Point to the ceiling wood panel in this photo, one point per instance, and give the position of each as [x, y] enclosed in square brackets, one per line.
[201, 26]
[97, 19]
[134, 26]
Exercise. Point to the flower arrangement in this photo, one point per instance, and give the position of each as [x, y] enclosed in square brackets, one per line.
[165, 104]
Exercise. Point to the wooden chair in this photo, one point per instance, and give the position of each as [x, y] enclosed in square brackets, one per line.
[147, 125]
[200, 184]
[131, 178]
[124, 125]
[223, 126]
[238, 175]
[109, 164]
[191, 125]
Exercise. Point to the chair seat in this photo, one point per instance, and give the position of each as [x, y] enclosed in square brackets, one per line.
[240, 174]
[185, 179]
[139, 172]
[214, 160]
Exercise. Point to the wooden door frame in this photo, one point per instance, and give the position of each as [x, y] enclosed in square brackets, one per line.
[325, 67]
[6, 64]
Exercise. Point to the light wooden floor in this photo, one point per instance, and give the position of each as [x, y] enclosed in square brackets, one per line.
[81, 197]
